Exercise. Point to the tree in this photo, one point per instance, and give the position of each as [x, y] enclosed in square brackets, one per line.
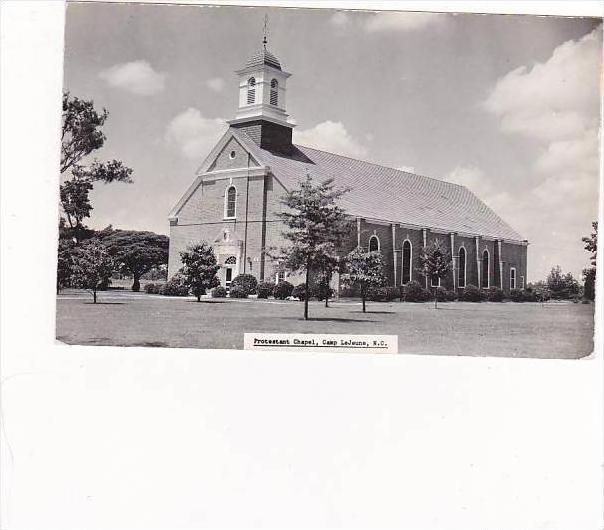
[81, 134]
[199, 268]
[92, 266]
[435, 263]
[64, 263]
[363, 269]
[561, 286]
[316, 226]
[589, 274]
[136, 253]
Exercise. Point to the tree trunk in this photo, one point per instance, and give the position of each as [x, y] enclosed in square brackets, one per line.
[199, 298]
[435, 298]
[136, 285]
[94, 296]
[363, 298]
[327, 300]
[306, 293]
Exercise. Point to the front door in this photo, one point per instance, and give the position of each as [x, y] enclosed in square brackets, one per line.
[228, 277]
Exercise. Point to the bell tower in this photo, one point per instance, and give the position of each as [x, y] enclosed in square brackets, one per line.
[262, 98]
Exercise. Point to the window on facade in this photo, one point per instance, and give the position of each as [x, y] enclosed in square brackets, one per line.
[281, 276]
[251, 90]
[231, 260]
[435, 281]
[512, 278]
[406, 277]
[521, 282]
[230, 202]
[374, 244]
[274, 92]
[461, 280]
[485, 269]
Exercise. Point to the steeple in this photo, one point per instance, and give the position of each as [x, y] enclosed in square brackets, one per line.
[262, 98]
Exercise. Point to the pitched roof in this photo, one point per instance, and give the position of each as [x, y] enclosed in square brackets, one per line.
[378, 192]
[263, 56]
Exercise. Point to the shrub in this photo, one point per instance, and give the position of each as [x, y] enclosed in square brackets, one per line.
[299, 291]
[219, 292]
[444, 295]
[153, 288]
[321, 290]
[282, 290]
[175, 286]
[495, 294]
[383, 294]
[471, 293]
[414, 292]
[265, 289]
[247, 282]
[538, 295]
[517, 295]
[237, 292]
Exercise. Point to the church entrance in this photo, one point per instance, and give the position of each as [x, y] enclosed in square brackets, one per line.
[229, 267]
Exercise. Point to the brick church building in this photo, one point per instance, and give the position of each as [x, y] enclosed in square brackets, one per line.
[233, 201]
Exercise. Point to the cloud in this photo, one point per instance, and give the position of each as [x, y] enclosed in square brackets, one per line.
[216, 84]
[556, 104]
[194, 134]
[137, 77]
[330, 136]
[403, 21]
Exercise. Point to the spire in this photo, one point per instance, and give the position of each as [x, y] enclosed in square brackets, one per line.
[265, 38]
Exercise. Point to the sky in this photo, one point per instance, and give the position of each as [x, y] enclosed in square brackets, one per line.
[508, 105]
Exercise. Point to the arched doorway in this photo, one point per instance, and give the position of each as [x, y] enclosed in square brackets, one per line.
[230, 265]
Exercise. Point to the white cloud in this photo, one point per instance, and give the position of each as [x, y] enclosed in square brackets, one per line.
[216, 84]
[403, 21]
[556, 104]
[194, 134]
[330, 136]
[137, 77]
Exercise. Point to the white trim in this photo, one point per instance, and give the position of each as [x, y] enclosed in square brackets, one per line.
[369, 242]
[488, 268]
[407, 240]
[515, 282]
[465, 266]
[226, 201]
[522, 282]
[432, 284]
[394, 252]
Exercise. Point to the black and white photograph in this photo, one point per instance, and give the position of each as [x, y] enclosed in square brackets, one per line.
[209, 208]
[324, 171]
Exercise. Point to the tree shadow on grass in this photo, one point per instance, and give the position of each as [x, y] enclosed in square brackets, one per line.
[375, 312]
[207, 301]
[318, 319]
[105, 303]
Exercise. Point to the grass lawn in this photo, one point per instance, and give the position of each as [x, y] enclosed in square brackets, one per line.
[123, 318]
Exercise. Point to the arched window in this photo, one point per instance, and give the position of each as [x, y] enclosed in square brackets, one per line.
[274, 92]
[461, 279]
[251, 90]
[231, 260]
[374, 244]
[406, 276]
[485, 269]
[230, 203]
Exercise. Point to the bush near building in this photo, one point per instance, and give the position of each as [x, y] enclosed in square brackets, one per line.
[383, 294]
[471, 293]
[495, 294]
[247, 282]
[282, 290]
[237, 292]
[219, 292]
[414, 292]
[265, 289]
[444, 295]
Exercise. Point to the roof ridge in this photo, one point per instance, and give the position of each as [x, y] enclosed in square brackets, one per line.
[381, 165]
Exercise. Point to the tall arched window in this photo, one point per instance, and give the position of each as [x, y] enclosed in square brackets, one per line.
[230, 202]
[485, 269]
[274, 92]
[374, 244]
[251, 90]
[461, 280]
[406, 276]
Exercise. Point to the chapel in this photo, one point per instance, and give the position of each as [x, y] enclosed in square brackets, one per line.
[234, 199]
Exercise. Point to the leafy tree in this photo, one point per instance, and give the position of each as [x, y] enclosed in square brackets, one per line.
[199, 268]
[316, 225]
[561, 286]
[64, 263]
[81, 134]
[589, 274]
[435, 263]
[136, 253]
[92, 266]
[363, 269]
[247, 282]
